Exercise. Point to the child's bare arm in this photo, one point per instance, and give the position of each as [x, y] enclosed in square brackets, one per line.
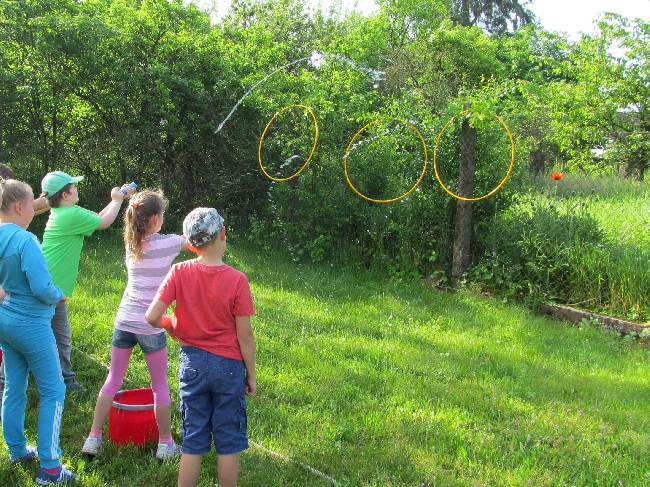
[155, 313]
[247, 345]
[2, 293]
[184, 244]
[41, 205]
[156, 317]
[110, 211]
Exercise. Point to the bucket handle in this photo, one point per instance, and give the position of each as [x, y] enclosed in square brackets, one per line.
[130, 407]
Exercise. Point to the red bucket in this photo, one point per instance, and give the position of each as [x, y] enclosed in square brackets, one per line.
[132, 417]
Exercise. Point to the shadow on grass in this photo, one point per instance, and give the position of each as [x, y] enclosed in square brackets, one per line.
[383, 384]
[526, 390]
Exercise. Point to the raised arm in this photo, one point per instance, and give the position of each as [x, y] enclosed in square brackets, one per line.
[183, 244]
[110, 211]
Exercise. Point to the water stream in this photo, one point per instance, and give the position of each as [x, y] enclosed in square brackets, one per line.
[316, 59]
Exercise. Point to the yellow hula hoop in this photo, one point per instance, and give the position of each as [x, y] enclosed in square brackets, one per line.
[512, 160]
[313, 149]
[424, 168]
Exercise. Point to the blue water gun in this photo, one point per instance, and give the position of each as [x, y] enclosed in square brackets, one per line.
[133, 185]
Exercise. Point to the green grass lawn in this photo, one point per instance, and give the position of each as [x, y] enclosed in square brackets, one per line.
[366, 383]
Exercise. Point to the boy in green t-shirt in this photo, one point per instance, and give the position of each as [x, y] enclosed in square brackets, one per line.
[63, 239]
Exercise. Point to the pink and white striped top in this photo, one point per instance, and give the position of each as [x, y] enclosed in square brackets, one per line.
[144, 279]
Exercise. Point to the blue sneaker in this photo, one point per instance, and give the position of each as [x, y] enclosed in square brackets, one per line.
[63, 477]
[32, 453]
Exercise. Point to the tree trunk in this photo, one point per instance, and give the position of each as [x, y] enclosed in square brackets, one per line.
[537, 163]
[464, 13]
[293, 201]
[641, 164]
[626, 167]
[463, 231]
[634, 165]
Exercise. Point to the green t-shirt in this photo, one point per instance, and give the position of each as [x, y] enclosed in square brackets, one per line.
[63, 240]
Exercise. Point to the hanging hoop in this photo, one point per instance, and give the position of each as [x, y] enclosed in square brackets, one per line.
[347, 153]
[313, 149]
[512, 160]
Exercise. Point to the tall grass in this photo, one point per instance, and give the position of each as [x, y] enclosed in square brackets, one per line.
[372, 383]
[621, 206]
[582, 241]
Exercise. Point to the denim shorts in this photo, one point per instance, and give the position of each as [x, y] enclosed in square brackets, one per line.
[148, 343]
[213, 405]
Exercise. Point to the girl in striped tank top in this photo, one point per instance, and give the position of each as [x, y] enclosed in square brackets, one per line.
[149, 256]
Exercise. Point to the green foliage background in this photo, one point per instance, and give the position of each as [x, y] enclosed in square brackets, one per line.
[122, 90]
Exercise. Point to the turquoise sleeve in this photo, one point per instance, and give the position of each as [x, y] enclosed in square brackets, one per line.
[35, 268]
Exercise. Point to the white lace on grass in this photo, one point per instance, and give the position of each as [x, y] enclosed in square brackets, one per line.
[256, 445]
[303, 465]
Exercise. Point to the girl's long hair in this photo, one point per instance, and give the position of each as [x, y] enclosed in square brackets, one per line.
[142, 206]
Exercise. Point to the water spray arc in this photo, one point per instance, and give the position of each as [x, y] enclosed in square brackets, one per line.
[313, 148]
[255, 86]
[316, 59]
[351, 145]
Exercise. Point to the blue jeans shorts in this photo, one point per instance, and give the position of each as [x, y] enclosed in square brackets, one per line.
[213, 405]
[148, 343]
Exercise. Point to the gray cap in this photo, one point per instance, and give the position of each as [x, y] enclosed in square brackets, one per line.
[202, 225]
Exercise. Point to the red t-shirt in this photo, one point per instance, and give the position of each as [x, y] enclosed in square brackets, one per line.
[207, 300]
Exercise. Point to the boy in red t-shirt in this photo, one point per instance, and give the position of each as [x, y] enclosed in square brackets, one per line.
[217, 357]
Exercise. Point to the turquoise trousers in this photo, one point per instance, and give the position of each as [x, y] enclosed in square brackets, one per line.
[31, 347]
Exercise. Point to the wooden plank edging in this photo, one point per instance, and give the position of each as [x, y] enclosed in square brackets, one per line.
[576, 316]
